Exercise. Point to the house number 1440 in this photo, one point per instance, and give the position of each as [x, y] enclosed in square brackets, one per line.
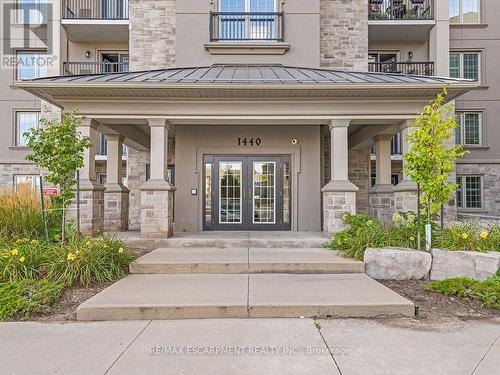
[249, 141]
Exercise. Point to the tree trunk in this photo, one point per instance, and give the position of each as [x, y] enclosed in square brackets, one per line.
[63, 229]
[419, 219]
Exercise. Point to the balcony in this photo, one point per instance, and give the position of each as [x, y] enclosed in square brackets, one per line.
[82, 68]
[249, 26]
[400, 20]
[108, 20]
[95, 9]
[261, 33]
[407, 10]
[412, 68]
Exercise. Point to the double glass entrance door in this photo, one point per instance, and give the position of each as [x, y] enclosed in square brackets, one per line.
[247, 193]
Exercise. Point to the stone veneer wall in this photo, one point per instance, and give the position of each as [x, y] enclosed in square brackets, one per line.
[359, 170]
[359, 175]
[344, 34]
[152, 34]
[9, 170]
[136, 175]
[152, 45]
[491, 184]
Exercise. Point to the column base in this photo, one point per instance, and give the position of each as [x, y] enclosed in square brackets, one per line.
[157, 209]
[116, 208]
[382, 203]
[336, 202]
[91, 207]
[405, 196]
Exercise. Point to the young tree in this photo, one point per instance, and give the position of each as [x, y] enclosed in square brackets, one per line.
[431, 159]
[58, 147]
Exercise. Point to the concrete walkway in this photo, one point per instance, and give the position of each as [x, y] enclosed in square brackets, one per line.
[251, 346]
[230, 239]
[183, 283]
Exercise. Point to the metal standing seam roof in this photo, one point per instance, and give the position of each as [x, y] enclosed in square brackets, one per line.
[248, 74]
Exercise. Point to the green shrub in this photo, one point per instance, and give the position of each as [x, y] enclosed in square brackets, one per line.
[84, 260]
[20, 299]
[365, 232]
[488, 291]
[468, 237]
[24, 259]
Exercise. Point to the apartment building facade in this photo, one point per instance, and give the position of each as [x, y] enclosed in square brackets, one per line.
[254, 114]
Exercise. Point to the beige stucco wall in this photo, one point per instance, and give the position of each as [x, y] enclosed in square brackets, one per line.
[194, 141]
[301, 32]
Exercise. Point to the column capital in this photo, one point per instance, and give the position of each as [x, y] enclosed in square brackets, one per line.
[159, 122]
[114, 137]
[409, 123]
[339, 123]
[383, 137]
[88, 123]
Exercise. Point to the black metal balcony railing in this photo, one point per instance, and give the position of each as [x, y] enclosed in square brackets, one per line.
[81, 68]
[400, 9]
[413, 68]
[95, 9]
[250, 26]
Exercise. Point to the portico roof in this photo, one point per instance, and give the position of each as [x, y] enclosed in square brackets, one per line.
[244, 81]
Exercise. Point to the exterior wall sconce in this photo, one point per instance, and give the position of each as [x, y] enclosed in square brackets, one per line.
[410, 55]
[87, 54]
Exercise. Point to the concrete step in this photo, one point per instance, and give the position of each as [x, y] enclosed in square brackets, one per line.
[195, 296]
[243, 260]
[229, 240]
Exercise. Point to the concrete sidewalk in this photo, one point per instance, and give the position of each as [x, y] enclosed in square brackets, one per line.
[251, 346]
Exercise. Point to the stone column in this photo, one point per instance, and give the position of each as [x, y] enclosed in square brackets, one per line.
[382, 194]
[116, 195]
[339, 195]
[157, 195]
[91, 193]
[405, 193]
[344, 34]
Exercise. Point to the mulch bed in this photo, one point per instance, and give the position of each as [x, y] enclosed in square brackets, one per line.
[434, 307]
[65, 308]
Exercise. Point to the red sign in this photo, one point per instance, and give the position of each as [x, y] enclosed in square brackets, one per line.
[50, 192]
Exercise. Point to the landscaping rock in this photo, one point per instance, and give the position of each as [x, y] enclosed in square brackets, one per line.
[397, 263]
[449, 264]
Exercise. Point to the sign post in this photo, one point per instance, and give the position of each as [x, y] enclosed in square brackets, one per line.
[44, 215]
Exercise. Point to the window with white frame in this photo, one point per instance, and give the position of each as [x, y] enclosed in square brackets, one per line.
[31, 182]
[465, 65]
[25, 120]
[31, 64]
[33, 12]
[247, 19]
[465, 11]
[468, 131]
[469, 192]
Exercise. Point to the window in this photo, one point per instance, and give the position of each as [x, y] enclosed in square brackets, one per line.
[251, 20]
[33, 12]
[383, 57]
[469, 192]
[468, 130]
[465, 65]
[31, 64]
[464, 11]
[25, 182]
[25, 121]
